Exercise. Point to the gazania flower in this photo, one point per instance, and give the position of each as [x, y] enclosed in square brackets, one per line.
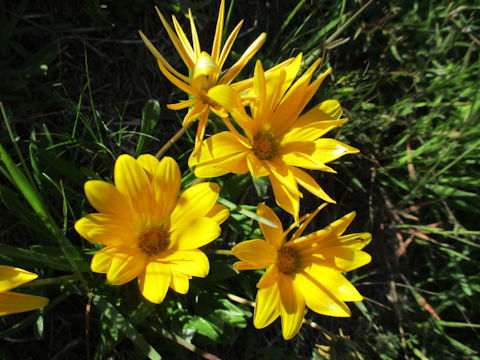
[12, 302]
[303, 271]
[276, 139]
[150, 232]
[205, 70]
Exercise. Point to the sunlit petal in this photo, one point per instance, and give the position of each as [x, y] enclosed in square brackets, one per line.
[154, 281]
[12, 303]
[255, 254]
[292, 307]
[12, 277]
[267, 306]
[274, 235]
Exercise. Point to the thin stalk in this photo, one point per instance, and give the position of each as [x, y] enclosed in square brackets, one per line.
[15, 145]
[348, 22]
[170, 142]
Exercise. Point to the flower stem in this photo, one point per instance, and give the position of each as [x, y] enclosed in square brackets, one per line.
[174, 138]
[49, 281]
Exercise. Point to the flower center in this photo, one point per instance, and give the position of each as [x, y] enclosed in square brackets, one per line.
[287, 260]
[264, 146]
[153, 240]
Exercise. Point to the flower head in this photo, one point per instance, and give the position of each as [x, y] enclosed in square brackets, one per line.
[303, 271]
[12, 302]
[205, 70]
[150, 232]
[276, 139]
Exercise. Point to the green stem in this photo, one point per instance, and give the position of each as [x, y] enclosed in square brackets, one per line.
[15, 144]
[50, 281]
[347, 23]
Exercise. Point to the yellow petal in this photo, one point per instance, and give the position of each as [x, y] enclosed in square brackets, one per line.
[166, 186]
[302, 154]
[217, 150]
[285, 199]
[149, 163]
[228, 44]
[182, 85]
[196, 42]
[154, 282]
[283, 174]
[327, 111]
[226, 97]
[179, 282]
[311, 185]
[319, 298]
[160, 58]
[106, 198]
[256, 167]
[342, 258]
[328, 236]
[132, 181]
[219, 213]
[204, 72]
[267, 306]
[310, 131]
[195, 112]
[193, 203]
[186, 46]
[12, 303]
[12, 277]
[184, 49]
[255, 254]
[356, 241]
[334, 281]
[327, 150]
[217, 40]
[244, 59]
[182, 104]
[189, 262]
[106, 229]
[269, 278]
[273, 235]
[125, 265]
[292, 307]
[101, 260]
[195, 233]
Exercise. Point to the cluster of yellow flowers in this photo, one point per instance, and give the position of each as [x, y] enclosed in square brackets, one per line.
[152, 230]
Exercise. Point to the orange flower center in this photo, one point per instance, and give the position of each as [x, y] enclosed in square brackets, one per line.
[264, 146]
[287, 260]
[153, 240]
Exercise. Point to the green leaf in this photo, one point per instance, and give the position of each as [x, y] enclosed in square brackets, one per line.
[150, 118]
[121, 323]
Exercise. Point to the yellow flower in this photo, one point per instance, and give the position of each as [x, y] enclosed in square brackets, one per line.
[277, 139]
[12, 302]
[303, 271]
[205, 70]
[150, 232]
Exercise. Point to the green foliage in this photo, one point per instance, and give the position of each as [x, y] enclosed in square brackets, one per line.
[78, 89]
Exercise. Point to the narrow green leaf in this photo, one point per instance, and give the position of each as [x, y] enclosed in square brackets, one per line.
[122, 324]
[150, 118]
